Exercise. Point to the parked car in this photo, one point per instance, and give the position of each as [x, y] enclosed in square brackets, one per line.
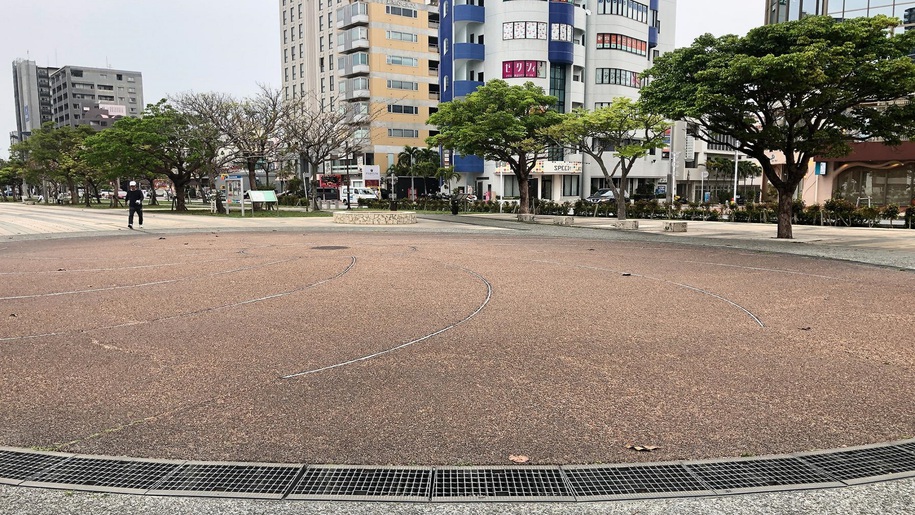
[327, 193]
[604, 195]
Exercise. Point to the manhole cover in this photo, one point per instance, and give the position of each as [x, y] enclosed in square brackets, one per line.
[329, 247]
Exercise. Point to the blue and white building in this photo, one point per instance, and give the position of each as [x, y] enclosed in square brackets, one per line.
[584, 52]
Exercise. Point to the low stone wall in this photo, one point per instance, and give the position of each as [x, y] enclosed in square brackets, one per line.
[674, 226]
[359, 217]
[626, 225]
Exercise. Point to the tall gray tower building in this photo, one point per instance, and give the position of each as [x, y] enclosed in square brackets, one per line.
[32, 92]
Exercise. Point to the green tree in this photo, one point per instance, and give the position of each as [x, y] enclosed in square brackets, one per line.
[417, 162]
[624, 129]
[12, 173]
[446, 174]
[806, 88]
[54, 154]
[164, 142]
[499, 122]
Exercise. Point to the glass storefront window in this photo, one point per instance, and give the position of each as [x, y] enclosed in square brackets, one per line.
[895, 186]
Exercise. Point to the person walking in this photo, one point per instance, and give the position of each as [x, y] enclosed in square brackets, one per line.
[134, 204]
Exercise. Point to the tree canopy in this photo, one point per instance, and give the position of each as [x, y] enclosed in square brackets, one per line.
[164, 141]
[499, 122]
[55, 154]
[805, 88]
[624, 129]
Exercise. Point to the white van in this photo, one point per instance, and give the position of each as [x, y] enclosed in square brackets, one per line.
[352, 195]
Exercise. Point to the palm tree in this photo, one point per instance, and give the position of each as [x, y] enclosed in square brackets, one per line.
[406, 160]
[446, 174]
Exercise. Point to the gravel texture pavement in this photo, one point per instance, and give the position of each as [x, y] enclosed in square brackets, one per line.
[461, 340]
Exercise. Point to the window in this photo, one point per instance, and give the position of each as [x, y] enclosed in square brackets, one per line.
[628, 8]
[360, 58]
[401, 36]
[570, 186]
[524, 30]
[402, 84]
[403, 133]
[403, 61]
[402, 109]
[561, 32]
[515, 69]
[618, 76]
[624, 43]
[400, 11]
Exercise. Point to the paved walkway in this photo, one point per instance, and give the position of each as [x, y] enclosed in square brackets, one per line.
[32, 224]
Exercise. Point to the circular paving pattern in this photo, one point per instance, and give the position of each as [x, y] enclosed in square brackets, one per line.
[361, 348]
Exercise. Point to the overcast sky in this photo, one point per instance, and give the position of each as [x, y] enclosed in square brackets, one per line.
[206, 45]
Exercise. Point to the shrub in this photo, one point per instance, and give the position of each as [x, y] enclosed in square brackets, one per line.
[839, 210]
[890, 212]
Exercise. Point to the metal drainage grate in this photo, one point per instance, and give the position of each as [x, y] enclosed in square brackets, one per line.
[329, 247]
[872, 463]
[592, 483]
[229, 480]
[759, 475]
[908, 447]
[500, 484]
[17, 466]
[125, 476]
[363, 483]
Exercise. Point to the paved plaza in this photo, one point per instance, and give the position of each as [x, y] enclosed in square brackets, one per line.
[456, 341]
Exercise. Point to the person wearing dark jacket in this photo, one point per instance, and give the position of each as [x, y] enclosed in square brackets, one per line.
[134, 204]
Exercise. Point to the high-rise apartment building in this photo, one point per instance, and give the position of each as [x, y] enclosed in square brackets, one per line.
[94, 96]
[583, 52]
[72, 95]
[378, 59]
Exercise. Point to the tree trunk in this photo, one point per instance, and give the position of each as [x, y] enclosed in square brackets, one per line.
[785, 206]
[180, 195]
[524, 191]
[621, 206]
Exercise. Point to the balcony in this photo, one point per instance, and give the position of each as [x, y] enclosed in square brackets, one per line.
[465, 87]
[468, 164]
[352, 46]
[469, 13]
[357, 94]
[469, 51]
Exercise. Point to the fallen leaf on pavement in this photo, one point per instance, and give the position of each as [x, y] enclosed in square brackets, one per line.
[642, 448]
[518, 458]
